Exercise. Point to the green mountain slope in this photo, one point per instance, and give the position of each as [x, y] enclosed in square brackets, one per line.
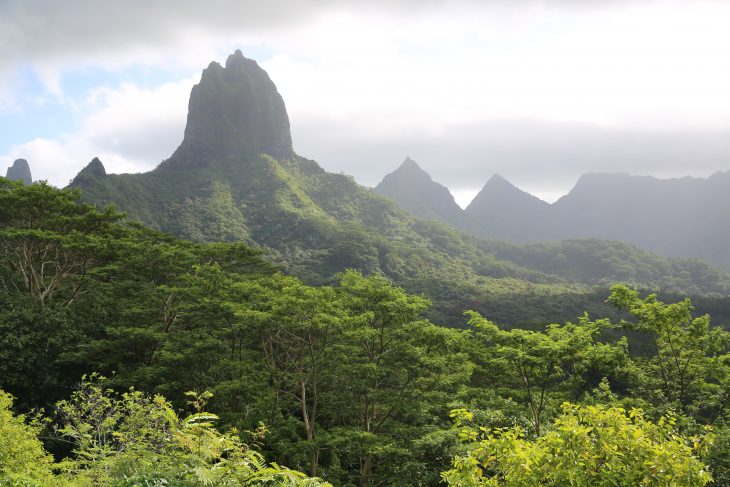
[235, 177]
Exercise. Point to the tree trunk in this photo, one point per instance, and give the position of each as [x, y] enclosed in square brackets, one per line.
[366, 470]
[309, 430]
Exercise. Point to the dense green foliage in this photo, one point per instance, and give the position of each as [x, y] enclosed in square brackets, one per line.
[603, 262]
[22, 457]
[348, 382]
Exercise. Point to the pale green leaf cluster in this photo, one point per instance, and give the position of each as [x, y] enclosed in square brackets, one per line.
[586, 445]
[23, 461]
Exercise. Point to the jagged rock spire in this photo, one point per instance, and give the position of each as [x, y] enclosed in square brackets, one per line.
[20, 171]
[234, 112]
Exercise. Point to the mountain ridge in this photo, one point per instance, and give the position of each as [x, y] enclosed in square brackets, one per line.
[639, 210]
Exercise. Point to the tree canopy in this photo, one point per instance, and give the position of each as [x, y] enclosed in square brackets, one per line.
[222, 368]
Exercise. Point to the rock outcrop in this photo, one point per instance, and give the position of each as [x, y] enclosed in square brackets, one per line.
[20, 171]
[234, 113]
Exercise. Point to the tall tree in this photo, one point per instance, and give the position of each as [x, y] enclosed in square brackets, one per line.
[300, 329]
[690, 367]
[397, 366]
[540, 370]
[50, 243]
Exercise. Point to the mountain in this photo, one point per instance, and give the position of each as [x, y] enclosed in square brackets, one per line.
[235, 111]
[94, 169]
[414, 190]
[686, 217]
[501, 210]
[20, 171]
[235, 177]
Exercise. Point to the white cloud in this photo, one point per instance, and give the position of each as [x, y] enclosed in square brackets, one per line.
[144, 124]
[652, 66]
[368, 83]
[386, 65]
[131, 129]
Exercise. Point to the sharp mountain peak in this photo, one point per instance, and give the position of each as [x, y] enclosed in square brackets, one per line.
[498, 180]
[498, 191]
[410, 169]
[94, 169]
[409, 165]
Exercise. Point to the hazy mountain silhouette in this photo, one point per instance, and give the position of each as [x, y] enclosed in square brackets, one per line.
[686, 217]
[501, 210]
[414, 190]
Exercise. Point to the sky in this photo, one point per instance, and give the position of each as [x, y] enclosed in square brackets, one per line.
[539, 92]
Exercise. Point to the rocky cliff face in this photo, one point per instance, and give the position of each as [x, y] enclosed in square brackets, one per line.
[20, 171]
[414, 190]
[235, 112]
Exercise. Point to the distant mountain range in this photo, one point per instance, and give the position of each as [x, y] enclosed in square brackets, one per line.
[687, 217]
[236, 177]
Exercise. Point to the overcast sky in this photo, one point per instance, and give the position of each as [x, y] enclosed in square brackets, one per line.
[537, 91]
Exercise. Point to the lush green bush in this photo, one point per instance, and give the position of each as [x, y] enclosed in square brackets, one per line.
[23, 460]
[352, 382]
[586, 445]
[132, 439]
